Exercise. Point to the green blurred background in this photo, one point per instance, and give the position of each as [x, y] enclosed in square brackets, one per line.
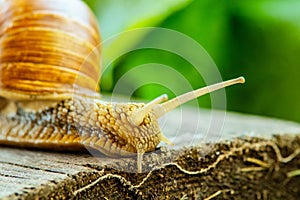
[259, 39]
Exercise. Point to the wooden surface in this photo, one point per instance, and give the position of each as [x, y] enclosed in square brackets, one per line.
[31, 173]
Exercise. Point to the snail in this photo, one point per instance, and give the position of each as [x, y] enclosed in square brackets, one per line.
[47, 94]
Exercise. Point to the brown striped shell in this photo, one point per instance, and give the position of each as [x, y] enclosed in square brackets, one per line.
[48, 49]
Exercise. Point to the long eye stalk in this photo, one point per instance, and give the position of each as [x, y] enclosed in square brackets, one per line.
[161, 109]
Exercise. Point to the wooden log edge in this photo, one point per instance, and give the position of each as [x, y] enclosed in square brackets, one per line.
[244, 168]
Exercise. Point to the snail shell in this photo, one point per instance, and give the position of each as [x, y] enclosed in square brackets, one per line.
[49, 49]
[49, 94]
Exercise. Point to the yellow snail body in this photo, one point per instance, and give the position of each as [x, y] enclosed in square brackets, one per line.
[49, 69]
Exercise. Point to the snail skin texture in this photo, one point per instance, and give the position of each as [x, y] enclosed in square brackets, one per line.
[49, 66]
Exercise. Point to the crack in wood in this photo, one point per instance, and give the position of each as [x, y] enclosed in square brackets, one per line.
[12, 176]
[34, 168]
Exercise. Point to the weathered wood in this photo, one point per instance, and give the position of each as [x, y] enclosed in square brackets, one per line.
[192, 169]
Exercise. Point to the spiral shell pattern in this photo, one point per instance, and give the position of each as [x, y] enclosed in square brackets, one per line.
[48, 49]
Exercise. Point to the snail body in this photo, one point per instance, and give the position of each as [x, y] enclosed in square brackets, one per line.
[49, 94]
[78, 123]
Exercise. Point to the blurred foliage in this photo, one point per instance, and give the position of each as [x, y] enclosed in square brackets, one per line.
[117, 16]
[257, 39]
